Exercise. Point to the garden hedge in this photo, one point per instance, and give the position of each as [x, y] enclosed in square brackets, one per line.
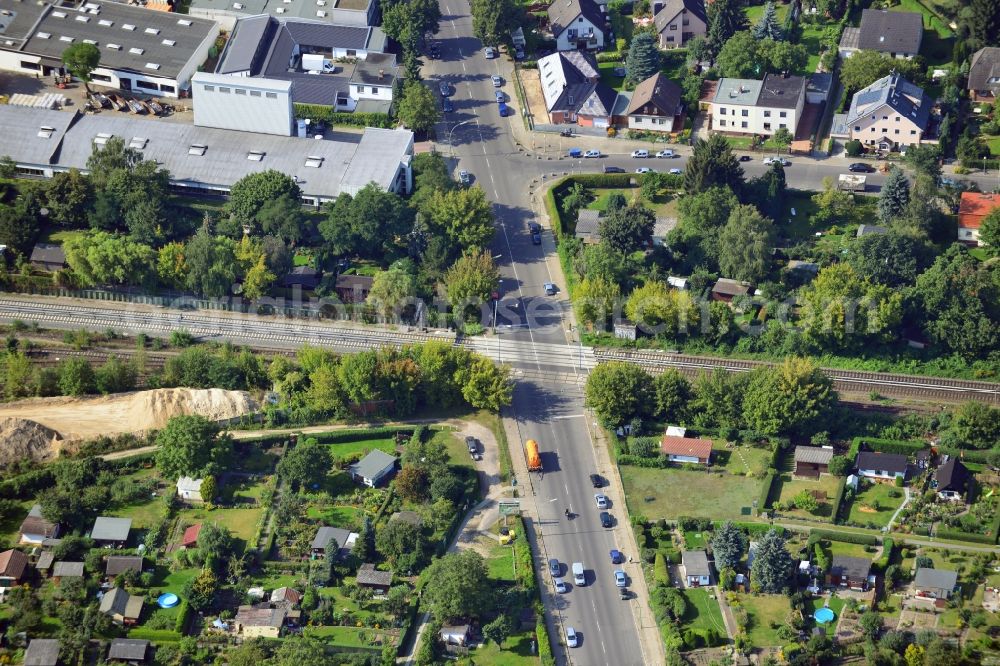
[887, 547]
[659, 462]
[660, 572]
[329, 115]
[542, 638]
[972, 537]
[183, 614]
[902, 447]
[155, 635]
[765, 489]
[838, 498]
[966, 455]
[843, 537]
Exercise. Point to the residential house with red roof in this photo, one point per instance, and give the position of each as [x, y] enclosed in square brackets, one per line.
[687, 449]
[973, 208]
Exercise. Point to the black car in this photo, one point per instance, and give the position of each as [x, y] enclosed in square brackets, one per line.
[534, 227]
[745, 158]
[861, 167]
[536, 238]
[596, 480]
[606, 519]
[566, 132]
[447, 106]
[613, 169]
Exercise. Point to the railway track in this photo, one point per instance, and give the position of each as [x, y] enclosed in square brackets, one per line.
[889, 384]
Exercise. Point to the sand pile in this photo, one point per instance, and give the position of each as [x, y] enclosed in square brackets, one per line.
[85, 418]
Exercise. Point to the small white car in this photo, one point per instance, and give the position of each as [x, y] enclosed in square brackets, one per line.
[644, 170]
[592, 153]
[640, 154]
[490, 53]
[676, 171]
[620, 579]
[560, 585]
[571, 639]
[602, 501]
[768, 160]
[497, 81]
[665, 153]
[464, 177]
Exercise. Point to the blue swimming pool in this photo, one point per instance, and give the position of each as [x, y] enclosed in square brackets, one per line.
[824, 615]
[167, 600]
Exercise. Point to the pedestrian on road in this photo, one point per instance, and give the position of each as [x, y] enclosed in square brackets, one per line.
[630, 559]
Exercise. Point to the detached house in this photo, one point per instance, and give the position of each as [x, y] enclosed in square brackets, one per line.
[373, 468]
[934, 583]
[952, 480]
[345, 540]
[686, 449]
[572, 89]
[984, 74]
[577, 24]
[972, 209]
[35, 530]
[852, 572]
[48, 257]
[679, 21]
[886, 466]
[726, 290]
[260, 621]
[897, 34]
[747, 106]
[887, 115]
[656, 105]
[374, 579]
[697, 571]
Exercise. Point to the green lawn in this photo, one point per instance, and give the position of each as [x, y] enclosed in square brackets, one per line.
[241, 522]
[741, 460]
[675, 63]
[694, 540]
[669, 493]
[61, 235]
[994, 143]
[515, 651]
[836, 604]
[703, 610]
[863, 513]
[603, 195]
[165, 580]
[663, 205]
[755, 13]
[785, 488]
[364, 446]
[355, 637]
[341, 515]
[142, 515]
[762, 610]
[845, 549]
[608, 77]
[500, 563]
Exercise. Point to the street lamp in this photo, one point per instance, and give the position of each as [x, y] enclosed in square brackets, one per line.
[451, 148]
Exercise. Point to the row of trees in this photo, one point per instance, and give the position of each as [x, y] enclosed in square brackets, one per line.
[793, 398]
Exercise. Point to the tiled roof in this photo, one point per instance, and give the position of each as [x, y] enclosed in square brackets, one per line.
[35, 523]
[48, 253]
[67, 569]
[13, 563]
[974, 206]
[887, 462]
[658, 92]
[562, 13]
[674, 7]
[984, 71]
[369, 575]
[729, 287]
[891, 32]
[686, 446]
[191, 535]
[952, 475]
[856, 568]
[128, 649]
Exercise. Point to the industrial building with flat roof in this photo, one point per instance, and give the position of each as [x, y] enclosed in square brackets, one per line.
[206, 160]
[340, 12]
[142, 50]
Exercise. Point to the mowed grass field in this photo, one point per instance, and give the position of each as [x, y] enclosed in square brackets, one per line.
[763, 609]
[669, 493]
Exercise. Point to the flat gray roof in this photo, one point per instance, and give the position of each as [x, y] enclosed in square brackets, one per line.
[740, 92]
[27, 136]
[308, 9]
[19, 18]
[939, 578]
[138, 37]
[110, 529]
[372, 161]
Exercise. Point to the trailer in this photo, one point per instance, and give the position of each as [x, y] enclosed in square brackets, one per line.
[531, 453]
[852, 182]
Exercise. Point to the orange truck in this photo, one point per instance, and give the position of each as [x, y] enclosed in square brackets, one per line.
[531, 452]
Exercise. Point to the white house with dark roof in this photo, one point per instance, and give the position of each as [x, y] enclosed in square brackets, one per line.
[697, 570]
[889, 114]
[373, 468]
[147, 51]
[205, 160]
[577, 25]
[934, 583]
[885, 466]
[897, 34]
[655, 105]
[572, 89]
[747, 106]
[679, 21]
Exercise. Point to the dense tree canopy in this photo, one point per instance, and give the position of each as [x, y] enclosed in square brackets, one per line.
[627, 229]
[251, 192]
[729, 544]
[81, 59]
[772, 565]
[712, 163]
[191, 445]
[643, 59]
[745, 245]
[458, 585]
[791, 399]
[618, 391]
[867, 66]
[306, 464]
[373, 223]
[492, 20]
[418, 109]
[100, 258]
[892, 259]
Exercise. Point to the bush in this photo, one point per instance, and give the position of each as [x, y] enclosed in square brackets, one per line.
[958, 535]
[329, 115]
[902, 447]
[843, 537]
[882, 563]
[765, 490]
[838, 498]
[660, 571]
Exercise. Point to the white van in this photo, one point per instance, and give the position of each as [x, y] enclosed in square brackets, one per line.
[578, 577]
[640, 154]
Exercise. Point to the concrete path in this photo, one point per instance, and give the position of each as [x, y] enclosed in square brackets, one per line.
[906, 500]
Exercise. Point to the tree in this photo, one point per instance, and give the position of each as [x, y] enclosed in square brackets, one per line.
[250, 653]
[771, 564]
[840, 309]
[914, 655]
[643, 59]
[971, 148]
[68, 197]
[959, 299]
[81, 60]
[989, 231]
[857, 73]
[791, 398]
[215, 543]
[729, 544]
[190, 445]
[202, 590]
[472, 279]
[783, 138]
[739, 57]
[618, 391]
[982, 20]
[627, 229]
[768, 26]
[594, 300]
[673, 392]
[725, 19]
[499, 629]
[306, 464]
[781, 57]
[464, 215]
[115, 376]
[210, 262]
[485, 385]
[301, 651]
[853, 148]
[974, 425]
[402, 544]
[840, 465]
[925, 161]
[76, 377]
[373, 223]
[281, 217]
[258, 279]
[458, 585]
[412, 483]
[99, 258]
[252, 192]
[658, 310]
[391, 291]
[892, 259]
[745, 245]
[364, 545]
[492, 20]
[894, 197]
[870, 623]
[418, 109]
[712, 163]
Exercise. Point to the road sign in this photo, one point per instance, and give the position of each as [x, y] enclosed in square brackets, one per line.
[510, 507]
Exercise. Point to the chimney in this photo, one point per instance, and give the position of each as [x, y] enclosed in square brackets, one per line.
[381, 73]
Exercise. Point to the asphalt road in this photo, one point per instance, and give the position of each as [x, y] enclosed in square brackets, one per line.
[552, 414]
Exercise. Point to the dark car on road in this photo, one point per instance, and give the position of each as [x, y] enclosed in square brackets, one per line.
[613, 169]
[445, 88]
[447, 106]
[606, 519]
[536, 238]
[745, 158]
[861, 167]
[596, 480]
